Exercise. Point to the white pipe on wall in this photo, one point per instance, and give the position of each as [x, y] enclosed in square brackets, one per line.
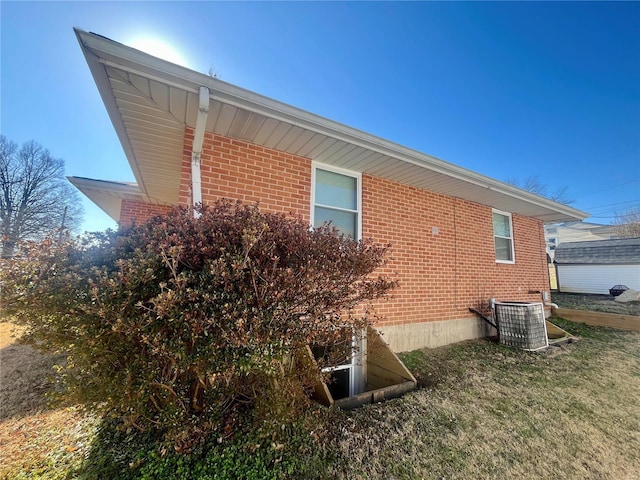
[196, 151]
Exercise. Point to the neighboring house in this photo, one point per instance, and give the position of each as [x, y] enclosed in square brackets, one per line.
[458, 238]
[553, 274]
[555, 234]
[596, 266]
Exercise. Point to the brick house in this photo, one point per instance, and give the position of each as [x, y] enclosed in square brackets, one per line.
[458, 238]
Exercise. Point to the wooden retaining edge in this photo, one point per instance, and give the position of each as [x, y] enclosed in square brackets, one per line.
[599, 319]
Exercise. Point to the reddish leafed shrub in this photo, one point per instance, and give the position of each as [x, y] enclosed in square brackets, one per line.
[188, 324]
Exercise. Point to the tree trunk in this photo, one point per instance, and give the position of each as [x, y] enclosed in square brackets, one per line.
[8, 248]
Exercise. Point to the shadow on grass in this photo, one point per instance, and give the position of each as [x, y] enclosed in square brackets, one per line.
[116, 453]
[27, 377]
[292, 452]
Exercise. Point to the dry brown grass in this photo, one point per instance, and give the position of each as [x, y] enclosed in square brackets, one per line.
[489, 412]
[483, 411]
[24, 375]
[35, 441]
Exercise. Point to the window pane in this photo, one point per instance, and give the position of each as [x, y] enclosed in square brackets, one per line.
[503, 249]
[336, 190]
[501, 225]
[345, 222]
[339, 383]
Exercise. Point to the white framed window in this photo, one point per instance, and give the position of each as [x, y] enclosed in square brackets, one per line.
[336, 197]
[342, 368]
[503, 237]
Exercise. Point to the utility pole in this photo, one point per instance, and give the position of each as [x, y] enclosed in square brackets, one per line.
[64, 217]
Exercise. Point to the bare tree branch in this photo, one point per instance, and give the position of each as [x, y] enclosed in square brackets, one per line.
[33, 194]
[628, 223]
[534, 184]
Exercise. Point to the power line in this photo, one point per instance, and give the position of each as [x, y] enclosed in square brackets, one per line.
[609, 188]
[617, 206]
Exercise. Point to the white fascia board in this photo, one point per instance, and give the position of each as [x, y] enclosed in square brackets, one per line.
[189, 80]
[108, 195]
[104, 87]
[122, 188]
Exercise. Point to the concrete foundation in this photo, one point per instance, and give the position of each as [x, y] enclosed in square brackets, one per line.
[404, 338]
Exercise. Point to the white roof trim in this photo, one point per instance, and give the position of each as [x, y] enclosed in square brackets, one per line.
[101, 52]
[108, 195]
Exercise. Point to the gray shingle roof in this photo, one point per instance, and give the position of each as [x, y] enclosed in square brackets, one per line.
[599, 252]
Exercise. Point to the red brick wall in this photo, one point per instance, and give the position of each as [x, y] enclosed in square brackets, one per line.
[131, 210]
[441, 275]
[443, 272]
[242, 171]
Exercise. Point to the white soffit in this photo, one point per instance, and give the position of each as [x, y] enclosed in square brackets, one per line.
[108, 195]
[150, 101]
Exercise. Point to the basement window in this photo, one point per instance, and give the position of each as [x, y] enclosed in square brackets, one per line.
[337, 360]
[336, 197]
[503, 237]
[385, 376]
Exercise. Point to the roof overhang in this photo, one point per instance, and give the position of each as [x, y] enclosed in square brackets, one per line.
[150, 102]
[108, 195]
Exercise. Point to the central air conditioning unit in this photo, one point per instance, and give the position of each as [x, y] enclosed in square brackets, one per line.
[521, 324]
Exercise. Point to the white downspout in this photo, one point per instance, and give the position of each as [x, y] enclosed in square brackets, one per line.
[196, 152]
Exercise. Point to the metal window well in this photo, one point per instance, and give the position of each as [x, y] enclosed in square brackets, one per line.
[521, 324]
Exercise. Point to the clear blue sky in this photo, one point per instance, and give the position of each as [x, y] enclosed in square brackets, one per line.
[504, 89]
